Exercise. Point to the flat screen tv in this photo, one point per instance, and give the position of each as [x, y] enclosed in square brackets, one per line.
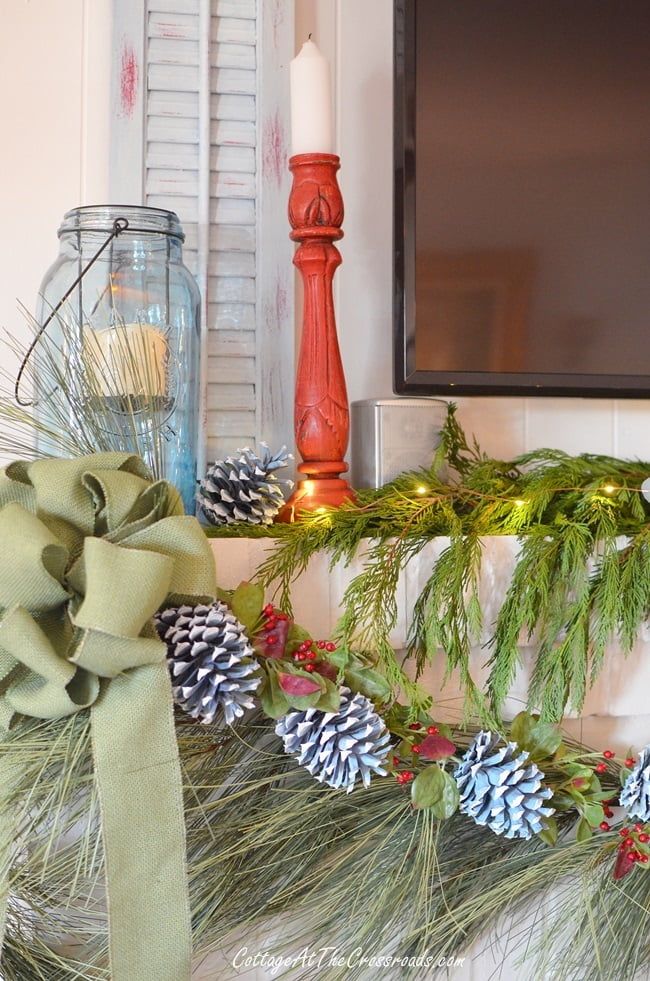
[522, 197]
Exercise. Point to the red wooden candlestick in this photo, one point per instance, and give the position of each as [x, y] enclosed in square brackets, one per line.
[321, 412]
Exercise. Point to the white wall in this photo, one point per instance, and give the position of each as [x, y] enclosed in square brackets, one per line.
[357, 35]
[55, 60]
[55, 64]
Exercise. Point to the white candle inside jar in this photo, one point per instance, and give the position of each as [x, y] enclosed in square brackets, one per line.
[126, 360]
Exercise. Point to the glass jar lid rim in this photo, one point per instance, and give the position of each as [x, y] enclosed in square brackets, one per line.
[140, 218]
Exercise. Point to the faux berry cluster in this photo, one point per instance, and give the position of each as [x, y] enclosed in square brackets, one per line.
[273, 634]
[276, 639]
[610, 755]
[310, 654]
[421, 729]
[602, 768]
[402, 776]
[421, 741]
[633, 847]
[634, 844]
[607, 813]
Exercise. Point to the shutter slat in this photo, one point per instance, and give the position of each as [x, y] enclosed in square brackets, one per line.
[166, 103]
[223, 289]
[180, 185]
[231, 211]
[235, 81]
[232, 238]
[233, 29]
[237, 107]
[233, 425]
[172, 156]
[233, 264]
[231, 343]
[235, 159]
[167, 51]
[174, 6]
[174, 24]
[182, 206]
[230, 131]
[236, 8]
[232, 316]
[234, 56]
[226, 397]
[229, 185]
[173, 78]
[172, 129]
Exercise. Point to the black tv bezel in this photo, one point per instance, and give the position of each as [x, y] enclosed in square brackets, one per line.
[407, 379]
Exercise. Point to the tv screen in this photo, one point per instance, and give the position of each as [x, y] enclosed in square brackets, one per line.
[522, 197]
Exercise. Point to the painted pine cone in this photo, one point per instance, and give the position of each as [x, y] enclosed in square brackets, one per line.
[635, 796]
[337, 747]
[211, 662]
[500, 790]
[244, 488]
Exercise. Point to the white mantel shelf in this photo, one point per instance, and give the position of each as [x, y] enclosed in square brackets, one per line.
[616, 713]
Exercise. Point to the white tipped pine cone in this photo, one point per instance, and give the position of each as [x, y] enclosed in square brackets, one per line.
[211, 661]
[635, 796]
[337, 747]
[244, 488]
[500, 790]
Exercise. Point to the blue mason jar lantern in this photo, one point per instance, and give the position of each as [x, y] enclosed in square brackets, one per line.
[122, 311]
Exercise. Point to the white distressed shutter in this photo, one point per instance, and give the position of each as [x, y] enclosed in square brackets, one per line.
[203, 134]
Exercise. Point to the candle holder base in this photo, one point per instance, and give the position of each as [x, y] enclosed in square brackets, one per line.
[314, 494]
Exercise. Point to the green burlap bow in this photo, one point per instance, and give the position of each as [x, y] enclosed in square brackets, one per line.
[90, 549]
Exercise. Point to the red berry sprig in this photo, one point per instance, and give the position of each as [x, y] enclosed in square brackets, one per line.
[633, 847]
[607, 811]
[309, 656]
[405, 776]
[272, 638]
[427, 742]
[609, 754]
[420, 727]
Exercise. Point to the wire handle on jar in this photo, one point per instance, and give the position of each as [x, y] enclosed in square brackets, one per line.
[119, 225]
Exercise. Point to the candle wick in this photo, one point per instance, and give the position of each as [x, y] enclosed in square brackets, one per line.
[309, 36]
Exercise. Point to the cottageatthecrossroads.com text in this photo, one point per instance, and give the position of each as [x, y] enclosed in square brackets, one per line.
[327, 957]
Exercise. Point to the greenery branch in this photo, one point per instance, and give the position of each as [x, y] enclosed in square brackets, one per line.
[581, 575]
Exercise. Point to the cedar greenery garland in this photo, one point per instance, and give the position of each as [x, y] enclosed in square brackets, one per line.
[582, 575]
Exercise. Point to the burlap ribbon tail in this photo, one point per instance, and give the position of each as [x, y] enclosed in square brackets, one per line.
[90, 550]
